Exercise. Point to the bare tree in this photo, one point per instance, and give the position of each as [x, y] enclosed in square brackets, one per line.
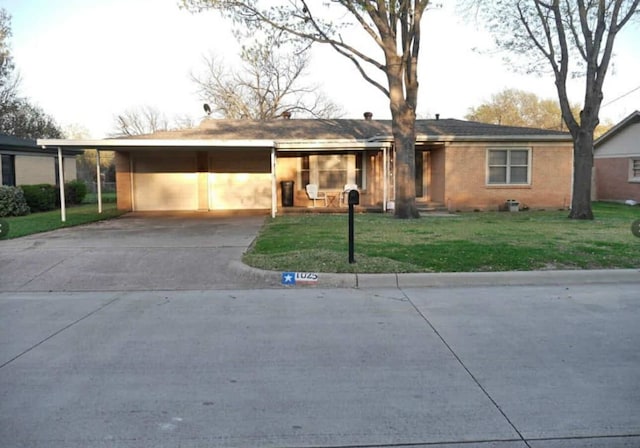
[570, 38]
[143, 120]
[394, 28]
[139, 121]
[269, 83]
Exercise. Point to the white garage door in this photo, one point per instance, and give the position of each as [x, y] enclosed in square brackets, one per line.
[165, 181]
[239, 180]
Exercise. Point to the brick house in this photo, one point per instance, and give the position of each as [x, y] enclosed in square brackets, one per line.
[23, 162]
[617, 161]
[240, 164]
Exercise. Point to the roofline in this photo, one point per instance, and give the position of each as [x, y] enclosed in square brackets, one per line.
[617, 128]
[493, 138]
[39, 151]
[299, 145]
[377, 142]
[145, 143]
[423, 138]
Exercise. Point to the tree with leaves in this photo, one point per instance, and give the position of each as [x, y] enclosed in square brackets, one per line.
[570, 38]
[513, 107]
[20, 118]
[393, 26]
[8, 79]
[269, 83]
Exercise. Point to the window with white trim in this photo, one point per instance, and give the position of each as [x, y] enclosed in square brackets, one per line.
[508, 166]
[634, 170]
[332, 171]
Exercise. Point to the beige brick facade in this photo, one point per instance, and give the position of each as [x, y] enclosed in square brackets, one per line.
[466, 186]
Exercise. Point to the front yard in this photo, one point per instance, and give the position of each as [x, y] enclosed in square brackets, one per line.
[486, 241]
[45, 221]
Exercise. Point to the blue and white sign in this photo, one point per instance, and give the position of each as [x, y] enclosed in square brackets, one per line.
[299, 278]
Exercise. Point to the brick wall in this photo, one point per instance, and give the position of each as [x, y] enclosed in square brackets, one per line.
[612, 180]
[466, 185]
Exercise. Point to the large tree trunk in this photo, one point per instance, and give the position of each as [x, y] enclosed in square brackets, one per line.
[582, 171]
[404, 137]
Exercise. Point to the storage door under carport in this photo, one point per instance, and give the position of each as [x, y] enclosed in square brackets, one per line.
[165, 181]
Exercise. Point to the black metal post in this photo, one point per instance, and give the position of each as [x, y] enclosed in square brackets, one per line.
[351, 234]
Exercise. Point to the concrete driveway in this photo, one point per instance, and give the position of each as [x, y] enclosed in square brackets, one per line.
[188, 251]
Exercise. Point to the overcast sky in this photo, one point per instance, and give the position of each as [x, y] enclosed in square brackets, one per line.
[85, 61]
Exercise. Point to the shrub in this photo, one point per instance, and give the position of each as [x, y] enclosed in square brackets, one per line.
[41, 197]
[74, 192]
[12, 202]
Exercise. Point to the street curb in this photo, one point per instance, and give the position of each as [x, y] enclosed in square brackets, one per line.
[446, 279]
[519, 278]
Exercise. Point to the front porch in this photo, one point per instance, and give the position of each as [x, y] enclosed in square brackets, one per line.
[423, 207]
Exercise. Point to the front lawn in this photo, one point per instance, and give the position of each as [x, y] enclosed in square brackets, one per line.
[45, 221]
[467, 242]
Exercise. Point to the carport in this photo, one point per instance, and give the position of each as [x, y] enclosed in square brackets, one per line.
[174, 175]
[205, 174]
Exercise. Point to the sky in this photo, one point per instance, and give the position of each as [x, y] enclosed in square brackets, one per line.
[86, 61]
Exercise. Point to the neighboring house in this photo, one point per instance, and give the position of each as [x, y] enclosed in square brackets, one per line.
[240, 164]
[23, 162]
[617, 161]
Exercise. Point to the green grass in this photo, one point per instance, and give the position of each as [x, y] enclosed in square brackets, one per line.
[92, 198]
[468, 242]
[45, 221]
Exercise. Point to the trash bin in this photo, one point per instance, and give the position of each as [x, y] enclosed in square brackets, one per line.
[286, 187]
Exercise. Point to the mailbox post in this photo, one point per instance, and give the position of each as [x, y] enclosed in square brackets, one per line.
[353, 199]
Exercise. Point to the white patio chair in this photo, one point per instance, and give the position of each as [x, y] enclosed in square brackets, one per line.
[345, 193]
[314, 194]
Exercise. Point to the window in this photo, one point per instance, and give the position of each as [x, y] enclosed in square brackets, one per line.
[634, 170]
[332, 171]
[508, 167]
[8, 170]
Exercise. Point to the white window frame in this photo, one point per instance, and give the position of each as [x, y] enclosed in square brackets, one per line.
[507, 182]
[633, 176]
[351, 170]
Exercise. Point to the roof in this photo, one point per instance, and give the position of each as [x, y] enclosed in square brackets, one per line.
[633, 118]
[9, 143]
[350, 129]
[319, 134]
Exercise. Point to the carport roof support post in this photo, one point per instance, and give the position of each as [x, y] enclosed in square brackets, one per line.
[63, 205]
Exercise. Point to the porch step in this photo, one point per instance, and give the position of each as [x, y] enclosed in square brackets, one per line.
[431, 207]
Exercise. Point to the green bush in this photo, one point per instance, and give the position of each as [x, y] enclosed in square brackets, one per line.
[12, 202]
[40, 198]
[74, 192]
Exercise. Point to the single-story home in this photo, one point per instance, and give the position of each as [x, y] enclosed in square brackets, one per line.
[23, 162]
[617, 161]
[244, 164]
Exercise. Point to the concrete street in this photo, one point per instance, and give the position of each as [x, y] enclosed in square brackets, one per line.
[147, 331]
[548, 366]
